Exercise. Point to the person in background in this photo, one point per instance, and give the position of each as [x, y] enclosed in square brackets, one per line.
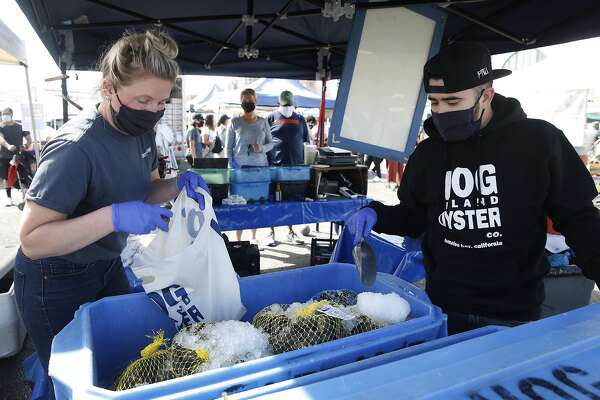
[209, 135]
[248, 140]
[313, 129]
[193, 140]
[290, 132]
[394, 175]
[376, 164]
[221, 132]
[11, 140]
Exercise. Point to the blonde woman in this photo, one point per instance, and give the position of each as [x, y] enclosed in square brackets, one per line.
[96, 183]
[248, 139]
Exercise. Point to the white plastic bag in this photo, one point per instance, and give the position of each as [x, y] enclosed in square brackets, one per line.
[187, 271]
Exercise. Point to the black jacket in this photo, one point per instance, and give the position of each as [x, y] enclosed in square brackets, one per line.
[482, 204]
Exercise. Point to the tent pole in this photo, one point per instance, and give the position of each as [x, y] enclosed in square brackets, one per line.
[322, 114]
[36, 141]
[65, 94]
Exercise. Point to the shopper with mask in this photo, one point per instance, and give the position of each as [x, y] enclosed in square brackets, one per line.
[248, 139]
[194, 141]
[11, 140]
[98, 182]
[290, 132]
[222, 132]
[209, 136]
[479, 189]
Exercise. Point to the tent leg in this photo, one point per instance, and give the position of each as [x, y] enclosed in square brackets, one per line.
[65, 94]
[322, 115]
[36, 142]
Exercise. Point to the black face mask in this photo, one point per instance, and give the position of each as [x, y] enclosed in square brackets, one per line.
[455, 126]
[248, 106]
[135, 122]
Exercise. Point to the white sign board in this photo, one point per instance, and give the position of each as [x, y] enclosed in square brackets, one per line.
[381, 97]
[38, 117]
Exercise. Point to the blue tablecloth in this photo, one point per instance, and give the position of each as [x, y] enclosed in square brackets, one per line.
[237, 217]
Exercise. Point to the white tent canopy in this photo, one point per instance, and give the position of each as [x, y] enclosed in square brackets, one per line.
[268, 90]
[12, 49]
[12, 52]
[210, 99]
[557, 89]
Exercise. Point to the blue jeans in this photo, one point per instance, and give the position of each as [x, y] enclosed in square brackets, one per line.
[459, 322]
[49, 291]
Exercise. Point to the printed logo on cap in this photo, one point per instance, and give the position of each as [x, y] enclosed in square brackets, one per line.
[483, 72]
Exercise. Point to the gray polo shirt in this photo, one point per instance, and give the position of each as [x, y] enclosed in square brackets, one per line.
[91, 165]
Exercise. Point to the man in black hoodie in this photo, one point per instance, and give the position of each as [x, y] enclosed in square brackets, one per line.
[479, 190]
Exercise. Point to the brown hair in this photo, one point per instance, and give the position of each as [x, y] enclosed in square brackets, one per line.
[151, 52]
[248, 92]
[210, 122]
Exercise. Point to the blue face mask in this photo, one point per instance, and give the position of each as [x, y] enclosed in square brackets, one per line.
[455, 126]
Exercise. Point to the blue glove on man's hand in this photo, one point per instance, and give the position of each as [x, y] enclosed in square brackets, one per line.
[191, 181]
[139, 217]
[361, 223]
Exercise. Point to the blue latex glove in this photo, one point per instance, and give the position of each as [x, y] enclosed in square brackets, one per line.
[361, 223]
[139, 217]
[234, 164]
[191, 181]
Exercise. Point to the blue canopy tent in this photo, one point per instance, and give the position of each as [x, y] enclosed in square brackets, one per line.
[295, 39]
[268, 90]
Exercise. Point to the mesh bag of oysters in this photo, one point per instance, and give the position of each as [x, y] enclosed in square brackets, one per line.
[329, 315]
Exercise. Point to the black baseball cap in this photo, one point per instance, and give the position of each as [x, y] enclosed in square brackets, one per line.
[198, 117]
[462, 65]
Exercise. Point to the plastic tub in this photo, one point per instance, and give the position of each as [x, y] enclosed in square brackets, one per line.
[213, 176]
[250, 175]
[256, 191]
[554, 358]
[218, 192]
[12, 329]
[107, 335]
[566, 289]
[368, 363]
[293, 190]
[298, 173]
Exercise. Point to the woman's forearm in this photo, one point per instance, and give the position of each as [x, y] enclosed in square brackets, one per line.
[162, 191]
[62, 237]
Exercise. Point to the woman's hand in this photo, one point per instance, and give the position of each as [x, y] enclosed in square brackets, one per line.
[257, 148]
[191, 181]
[138, 217]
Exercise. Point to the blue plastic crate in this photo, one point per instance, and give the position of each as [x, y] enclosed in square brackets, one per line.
[108, 334]
[250, 175]
[251, 191]
[554, 358]
[299, 173]
[367, 363]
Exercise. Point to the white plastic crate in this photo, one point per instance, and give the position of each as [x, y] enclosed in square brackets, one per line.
[12, 330]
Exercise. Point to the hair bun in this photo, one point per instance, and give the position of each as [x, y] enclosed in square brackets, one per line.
[162, 42]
